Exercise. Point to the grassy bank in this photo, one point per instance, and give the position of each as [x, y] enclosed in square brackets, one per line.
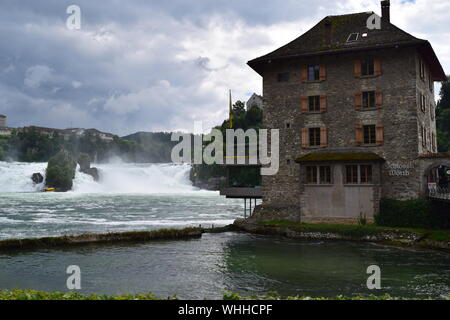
[18, 294]
[430, 239]
[87, 239]
[359, 231]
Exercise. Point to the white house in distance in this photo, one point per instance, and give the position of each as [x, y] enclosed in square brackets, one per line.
[4, 130]
[255, 100]
[2, 121]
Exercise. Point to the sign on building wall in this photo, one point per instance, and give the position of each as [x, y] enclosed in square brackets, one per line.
[399, 169]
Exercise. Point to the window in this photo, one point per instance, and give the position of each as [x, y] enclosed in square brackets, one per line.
[424, 136]
[283, 77]
[318, 175]
[368, 99]
[422, 69]
[431, 82]
[422, 102]
[314, 104]
[366, 174]
[351, 174]
[311, 175]
[314, 73]
[288, 125]
[367, 67]
[358, 174]
[353, 37]
[314, 137]
[432, 112]
[370, 134]
[433, 142]
[325, 174]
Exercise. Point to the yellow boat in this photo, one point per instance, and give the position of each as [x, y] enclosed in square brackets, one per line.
[49, 190]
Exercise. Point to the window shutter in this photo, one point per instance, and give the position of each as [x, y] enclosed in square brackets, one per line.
[304, 74]
[323, 72]
[357, 68]
[358, 100]
[380, 134]
[379, 98]
[304, 104]
[377, 67]
[305, 138]
[359, 135]
[323, 103]
[323, 137]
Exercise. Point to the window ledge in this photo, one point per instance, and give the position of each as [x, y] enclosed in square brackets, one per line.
[370, 145]
[360, 185]
[314, 147]
[370, 76]
[314, 81]
[314, 112]
[369, 109]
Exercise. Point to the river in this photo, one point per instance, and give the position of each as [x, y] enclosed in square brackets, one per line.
[150, 196]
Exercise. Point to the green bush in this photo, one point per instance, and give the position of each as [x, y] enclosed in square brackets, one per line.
[84, 161]
[407, 214]
[60, 172]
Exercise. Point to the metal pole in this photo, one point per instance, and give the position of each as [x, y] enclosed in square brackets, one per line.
[245, 208]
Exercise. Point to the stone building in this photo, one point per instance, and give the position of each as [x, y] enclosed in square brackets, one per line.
[2, 121]
[255, 100]
[356, 113]
[4, 130]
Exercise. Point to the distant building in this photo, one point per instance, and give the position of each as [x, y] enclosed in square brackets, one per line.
[66, 133]
[4, 130]
[93, 132]
[2, 121]
[255, 100]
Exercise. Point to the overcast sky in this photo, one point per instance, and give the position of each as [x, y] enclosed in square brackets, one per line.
[152, 65]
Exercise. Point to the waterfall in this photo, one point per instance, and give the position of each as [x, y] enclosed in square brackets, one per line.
[115, 178]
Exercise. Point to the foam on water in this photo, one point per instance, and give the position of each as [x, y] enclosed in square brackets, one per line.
[16, 176]
[119, 178]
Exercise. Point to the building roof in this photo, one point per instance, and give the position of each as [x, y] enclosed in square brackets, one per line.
[339, 155]
[437, 155]
[330, 36]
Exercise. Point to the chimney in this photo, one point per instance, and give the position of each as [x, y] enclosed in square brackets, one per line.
[386, 10]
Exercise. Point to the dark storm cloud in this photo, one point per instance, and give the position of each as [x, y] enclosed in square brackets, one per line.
[138, 64]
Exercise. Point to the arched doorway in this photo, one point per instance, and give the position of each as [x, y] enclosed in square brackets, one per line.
[437, 177]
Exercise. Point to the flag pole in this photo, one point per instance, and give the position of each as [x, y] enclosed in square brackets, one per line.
[231, 112]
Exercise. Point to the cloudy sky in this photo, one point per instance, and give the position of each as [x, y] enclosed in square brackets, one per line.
[152, 65]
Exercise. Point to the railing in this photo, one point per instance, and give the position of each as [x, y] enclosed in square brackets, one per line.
[439, 193]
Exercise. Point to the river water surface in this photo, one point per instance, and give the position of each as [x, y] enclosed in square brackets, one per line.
[146, 197]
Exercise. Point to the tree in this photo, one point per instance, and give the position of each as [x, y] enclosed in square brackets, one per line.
[238, 108]
[443, 117]
[60, 172]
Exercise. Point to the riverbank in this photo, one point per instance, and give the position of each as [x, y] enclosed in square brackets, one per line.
[107, 238]
[431, 239]
[19, 294]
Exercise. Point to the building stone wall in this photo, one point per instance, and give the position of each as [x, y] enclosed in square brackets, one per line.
[400, 115]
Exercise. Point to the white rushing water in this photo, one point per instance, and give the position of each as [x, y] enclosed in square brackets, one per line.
[16, 176]
[127, 197]
[118, 178]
